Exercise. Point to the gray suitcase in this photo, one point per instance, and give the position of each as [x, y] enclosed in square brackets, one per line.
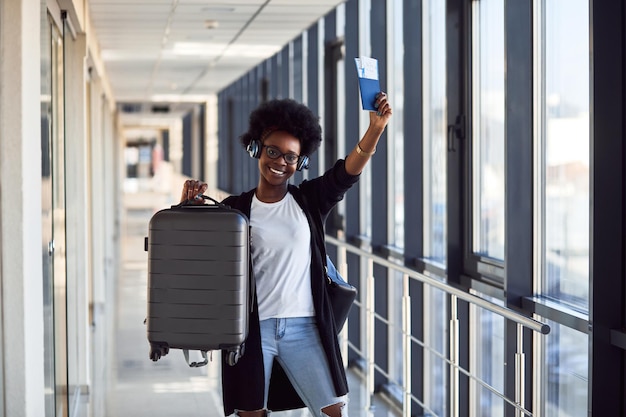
[199, 294]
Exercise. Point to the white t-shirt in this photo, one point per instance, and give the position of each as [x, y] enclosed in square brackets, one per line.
[281, 258]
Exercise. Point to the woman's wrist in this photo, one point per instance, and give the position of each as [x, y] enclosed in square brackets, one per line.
[363, 152]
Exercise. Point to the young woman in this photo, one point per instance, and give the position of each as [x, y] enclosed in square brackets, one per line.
[292, 357]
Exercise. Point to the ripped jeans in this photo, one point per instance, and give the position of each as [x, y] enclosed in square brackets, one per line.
[295, 343]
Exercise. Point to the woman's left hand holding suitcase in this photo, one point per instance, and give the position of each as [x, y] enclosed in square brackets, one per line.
[192, 189]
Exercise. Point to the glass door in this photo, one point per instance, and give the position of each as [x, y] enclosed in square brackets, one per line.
[58, 225]
[46, 208]
[53, 218]
[68, 289]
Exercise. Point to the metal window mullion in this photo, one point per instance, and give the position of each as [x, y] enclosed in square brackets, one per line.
[370, 324]
[520, 372]
[454, 357]
[406, 347]
[474, 143]
[519, 192]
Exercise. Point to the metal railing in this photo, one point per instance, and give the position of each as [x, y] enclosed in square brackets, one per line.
[370, 316]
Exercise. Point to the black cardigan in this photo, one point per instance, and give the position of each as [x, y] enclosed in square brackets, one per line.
[243, 384]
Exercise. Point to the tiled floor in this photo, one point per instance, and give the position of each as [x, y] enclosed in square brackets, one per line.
[168, 387]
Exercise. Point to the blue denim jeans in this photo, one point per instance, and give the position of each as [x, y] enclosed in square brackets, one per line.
[295, 343]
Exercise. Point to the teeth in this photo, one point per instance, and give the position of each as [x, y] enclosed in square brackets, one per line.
[276, 171]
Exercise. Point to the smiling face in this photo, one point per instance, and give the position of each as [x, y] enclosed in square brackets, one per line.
[276, 172]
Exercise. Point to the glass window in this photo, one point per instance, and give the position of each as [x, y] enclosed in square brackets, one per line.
[434, 201]
[564, 138]
[487, 361]
[488, 128]
[395, 146]
[395, 335]
[565, 372]
[562, 87]
[434, 135]
[435, 353]
[365, 183]
[395, 130]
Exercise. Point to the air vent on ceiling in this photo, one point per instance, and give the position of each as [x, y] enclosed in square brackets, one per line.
[131, 107]
[160, 109]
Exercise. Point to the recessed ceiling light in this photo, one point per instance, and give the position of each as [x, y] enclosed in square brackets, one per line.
[211, 24]
[217, 9]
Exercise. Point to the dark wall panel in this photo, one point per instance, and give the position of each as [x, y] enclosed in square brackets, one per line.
[187, 148]
[312, 86]
[352, 97]
[607, 363]
[165, 138]
[202, 139]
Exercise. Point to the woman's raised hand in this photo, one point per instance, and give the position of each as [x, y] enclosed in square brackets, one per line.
[191, 190]
[381, 117]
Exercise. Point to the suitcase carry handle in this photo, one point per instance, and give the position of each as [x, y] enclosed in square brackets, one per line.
[196, 364]
[194, 202]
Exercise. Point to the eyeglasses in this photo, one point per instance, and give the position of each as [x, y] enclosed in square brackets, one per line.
[274, 153]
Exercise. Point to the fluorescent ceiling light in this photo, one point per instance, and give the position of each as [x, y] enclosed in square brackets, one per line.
[209, 50]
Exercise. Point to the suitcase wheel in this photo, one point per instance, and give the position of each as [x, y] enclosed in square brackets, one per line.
[158, 350]
[232, 356]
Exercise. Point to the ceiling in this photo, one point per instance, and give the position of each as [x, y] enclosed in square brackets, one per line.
[159, 51]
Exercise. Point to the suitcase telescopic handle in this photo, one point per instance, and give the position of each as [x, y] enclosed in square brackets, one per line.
[196, 364]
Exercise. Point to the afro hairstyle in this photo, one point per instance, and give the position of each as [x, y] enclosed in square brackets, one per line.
[287, 115]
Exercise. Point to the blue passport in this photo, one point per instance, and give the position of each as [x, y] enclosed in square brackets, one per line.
[369, 85]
